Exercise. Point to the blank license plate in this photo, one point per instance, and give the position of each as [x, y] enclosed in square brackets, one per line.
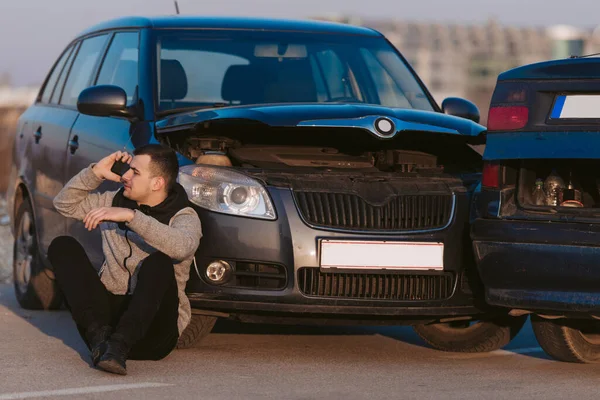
[382, 255]
[576, 107]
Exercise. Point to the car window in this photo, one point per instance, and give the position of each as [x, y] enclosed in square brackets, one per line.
[120, 66]
[335, 75]
[51, 82]
[205, 71]
[63, 76]
[387, 90]
[198, 69]
[81, 71]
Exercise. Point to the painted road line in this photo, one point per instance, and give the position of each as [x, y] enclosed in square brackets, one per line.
[82, 390]
[512, 352]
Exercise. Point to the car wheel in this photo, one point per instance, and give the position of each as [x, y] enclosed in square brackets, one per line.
[471, 336]
[34, 288]
[199, 327]
[568, 340]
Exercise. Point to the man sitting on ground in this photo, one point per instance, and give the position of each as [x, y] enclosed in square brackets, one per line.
[135, 307]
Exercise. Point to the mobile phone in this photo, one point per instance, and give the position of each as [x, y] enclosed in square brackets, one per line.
[119, 168]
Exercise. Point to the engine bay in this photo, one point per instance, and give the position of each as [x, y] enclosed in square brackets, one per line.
[322, 150]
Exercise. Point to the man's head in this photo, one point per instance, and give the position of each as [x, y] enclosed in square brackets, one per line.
[152, 174]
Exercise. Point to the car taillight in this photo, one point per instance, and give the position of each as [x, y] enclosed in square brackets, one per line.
[491, 175]
[509, 109]
[507, 118]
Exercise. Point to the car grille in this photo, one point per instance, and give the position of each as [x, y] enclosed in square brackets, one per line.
[375, 286]
[351, 212]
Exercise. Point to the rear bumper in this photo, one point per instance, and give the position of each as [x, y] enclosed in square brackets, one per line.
[539, 266]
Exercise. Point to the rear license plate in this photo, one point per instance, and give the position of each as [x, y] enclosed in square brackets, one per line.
[576, 107]
[370, 255]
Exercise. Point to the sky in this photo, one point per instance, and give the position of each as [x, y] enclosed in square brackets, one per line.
[34, 32]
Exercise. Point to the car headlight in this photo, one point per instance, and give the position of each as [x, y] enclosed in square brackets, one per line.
[226, 191]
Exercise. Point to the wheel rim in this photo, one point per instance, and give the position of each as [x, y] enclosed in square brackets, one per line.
[24, 253]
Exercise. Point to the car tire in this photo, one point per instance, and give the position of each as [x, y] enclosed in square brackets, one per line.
[563, 340]
[35, 287]
[199, 327]
[476, 337]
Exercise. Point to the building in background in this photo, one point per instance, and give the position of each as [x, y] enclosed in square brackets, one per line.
[567, 41]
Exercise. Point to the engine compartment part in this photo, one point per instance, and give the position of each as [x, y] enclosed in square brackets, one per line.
[324, 149]
[210, 158]
[559, 184]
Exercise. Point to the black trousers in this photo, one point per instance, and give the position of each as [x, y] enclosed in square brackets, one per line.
[147, 319]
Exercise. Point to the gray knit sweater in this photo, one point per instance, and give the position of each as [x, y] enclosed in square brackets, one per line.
[179, 240]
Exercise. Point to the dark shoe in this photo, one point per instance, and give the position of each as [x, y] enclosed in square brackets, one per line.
[97, 339]
[113, 359]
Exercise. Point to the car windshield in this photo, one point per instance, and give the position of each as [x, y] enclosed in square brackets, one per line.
[203, 68]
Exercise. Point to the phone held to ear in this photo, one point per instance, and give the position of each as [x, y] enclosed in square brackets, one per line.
[119, 168]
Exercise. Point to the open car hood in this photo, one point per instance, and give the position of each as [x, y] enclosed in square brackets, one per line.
[365, 117]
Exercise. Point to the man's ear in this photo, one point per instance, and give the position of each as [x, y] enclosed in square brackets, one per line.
[158, 183]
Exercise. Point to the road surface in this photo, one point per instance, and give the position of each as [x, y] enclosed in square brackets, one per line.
[42, 356]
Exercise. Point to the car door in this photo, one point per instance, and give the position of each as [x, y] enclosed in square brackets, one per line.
[48, 128]
[92, 138]
[52, 130]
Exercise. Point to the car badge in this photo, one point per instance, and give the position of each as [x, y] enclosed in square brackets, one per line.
[385, 126]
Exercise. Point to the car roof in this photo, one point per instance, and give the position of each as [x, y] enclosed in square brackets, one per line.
[243, 23]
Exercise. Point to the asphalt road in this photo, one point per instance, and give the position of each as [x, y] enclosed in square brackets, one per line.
[41, 355]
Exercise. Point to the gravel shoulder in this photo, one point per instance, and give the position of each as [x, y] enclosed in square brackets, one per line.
[6, 244]
[6, 241]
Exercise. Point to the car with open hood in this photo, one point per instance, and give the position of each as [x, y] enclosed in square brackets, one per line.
[536, 232]
[331, 186]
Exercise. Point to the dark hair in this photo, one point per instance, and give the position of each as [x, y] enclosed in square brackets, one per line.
[163, 162]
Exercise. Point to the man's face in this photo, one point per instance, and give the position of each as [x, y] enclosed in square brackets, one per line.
[139, 181]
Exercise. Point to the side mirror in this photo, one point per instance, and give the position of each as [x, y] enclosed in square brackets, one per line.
[103, 101]
[461, 108]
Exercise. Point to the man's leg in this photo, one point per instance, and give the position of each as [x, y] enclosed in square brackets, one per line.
[86, 296]
[148, 328]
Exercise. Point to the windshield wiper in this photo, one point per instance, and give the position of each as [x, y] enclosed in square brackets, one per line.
[191, 108]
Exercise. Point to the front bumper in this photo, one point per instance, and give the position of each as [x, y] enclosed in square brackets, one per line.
[292, 244]
[547, 267]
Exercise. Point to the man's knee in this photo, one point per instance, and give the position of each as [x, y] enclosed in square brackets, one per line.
[157, 263]
[62, 245]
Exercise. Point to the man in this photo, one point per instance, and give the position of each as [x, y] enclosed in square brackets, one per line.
[135, 307]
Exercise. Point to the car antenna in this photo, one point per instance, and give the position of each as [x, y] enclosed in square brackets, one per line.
[587, 55]
[176, 7]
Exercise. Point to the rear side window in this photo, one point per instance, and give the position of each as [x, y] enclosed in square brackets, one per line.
[51, 82]
[80, 76]
[120, 66]
[63, 76]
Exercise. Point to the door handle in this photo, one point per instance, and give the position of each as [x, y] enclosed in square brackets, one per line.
[74, 144]
[38, 135]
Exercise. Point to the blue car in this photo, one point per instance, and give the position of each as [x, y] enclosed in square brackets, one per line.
[537, 225]
[331, 187]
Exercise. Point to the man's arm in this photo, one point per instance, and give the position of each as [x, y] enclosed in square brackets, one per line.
[75, 199]
[179, 240]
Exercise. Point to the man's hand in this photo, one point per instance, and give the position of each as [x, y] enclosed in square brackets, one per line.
[114, 214]
[102, 168]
